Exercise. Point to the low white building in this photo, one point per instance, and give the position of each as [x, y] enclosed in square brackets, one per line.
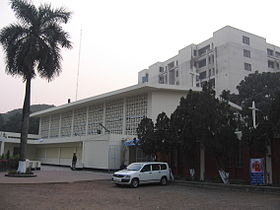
[96, 128]
[222, 60]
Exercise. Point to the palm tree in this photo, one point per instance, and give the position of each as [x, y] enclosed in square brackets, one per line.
[34, 43]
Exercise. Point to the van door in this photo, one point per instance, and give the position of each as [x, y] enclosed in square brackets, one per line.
[156, 172]
[145, 175]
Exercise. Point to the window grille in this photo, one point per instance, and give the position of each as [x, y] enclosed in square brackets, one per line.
[45, 127]
[114, 116]
[80, 117]
[95, 117]
[54, 127]
[66, 123]
[136, 110]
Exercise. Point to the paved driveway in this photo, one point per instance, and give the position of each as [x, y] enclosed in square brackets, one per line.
[52, 174]
[102, 194]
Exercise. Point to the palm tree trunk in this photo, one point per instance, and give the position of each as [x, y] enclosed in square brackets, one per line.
[25, 120]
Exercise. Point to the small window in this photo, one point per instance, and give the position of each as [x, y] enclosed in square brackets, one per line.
[277, 65]
[202, 63]
[177, 73]
[277, 54]
[209, 60]
[194, 53]
[146, 168]
[171, 65]
[247, 53]
[212, 83]
[246, 40]
[155, 167]
[202, 75]
[270, 52]
[163, 166]
[270, 64]
[209, 73]
[247, 66]
[161, 69]
[161, 79]
[176, 63]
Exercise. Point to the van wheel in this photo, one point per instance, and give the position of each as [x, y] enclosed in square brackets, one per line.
[134, 183]
[163, 181]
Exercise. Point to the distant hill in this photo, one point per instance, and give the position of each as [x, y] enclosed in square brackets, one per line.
[11, 121]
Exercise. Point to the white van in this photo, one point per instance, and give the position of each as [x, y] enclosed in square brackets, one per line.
[142, 173]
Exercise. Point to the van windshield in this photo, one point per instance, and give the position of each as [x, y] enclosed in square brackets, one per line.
[134, 167]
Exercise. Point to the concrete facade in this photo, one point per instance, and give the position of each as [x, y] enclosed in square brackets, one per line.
[223, 60]
[96, 128]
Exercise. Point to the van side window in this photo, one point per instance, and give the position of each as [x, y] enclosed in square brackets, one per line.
[155, 167]
[163, 166]
[146, 168]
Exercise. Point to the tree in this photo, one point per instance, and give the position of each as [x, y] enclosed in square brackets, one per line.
[145, 133]
[34, 44]
[162, 133]
[200, 117]
[263, 89]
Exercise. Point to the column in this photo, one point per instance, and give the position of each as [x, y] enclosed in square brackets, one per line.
[268, 165]
[2, 147]
[202, 162]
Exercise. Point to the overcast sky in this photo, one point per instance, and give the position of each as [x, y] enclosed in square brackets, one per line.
[122, 37]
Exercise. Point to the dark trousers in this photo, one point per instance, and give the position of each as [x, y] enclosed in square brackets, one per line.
[74, 164]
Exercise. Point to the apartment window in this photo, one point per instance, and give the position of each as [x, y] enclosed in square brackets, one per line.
[270, 52]
[277, 54]
[270, 64]
[277, 65]
[177, 73]
[161, 69]
[176, 63]
[247, 66]
[246, 40]
[212, 83]
[171, 65]
[202, 75]
[209, 60]
[203, 50]
[194, 53]
[161, 79]
[201, 63]
[209, 72]
[145, 78]
[247, 53]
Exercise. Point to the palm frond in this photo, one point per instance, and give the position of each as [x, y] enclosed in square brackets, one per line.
[47, 14]
[24, 11]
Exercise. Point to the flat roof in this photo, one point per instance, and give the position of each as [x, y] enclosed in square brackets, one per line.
[139, 88]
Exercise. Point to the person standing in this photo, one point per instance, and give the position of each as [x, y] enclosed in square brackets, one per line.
[74, 161]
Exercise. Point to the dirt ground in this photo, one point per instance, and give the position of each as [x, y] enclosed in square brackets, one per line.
[104, 195]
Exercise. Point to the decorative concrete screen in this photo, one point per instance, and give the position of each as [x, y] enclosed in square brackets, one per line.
[54, 127]
[44, 129]
[80, 117]
[114, 116]
[136, 110]
[95, 116]
[66, 123]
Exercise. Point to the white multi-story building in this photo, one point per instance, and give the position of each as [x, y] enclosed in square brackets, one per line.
[223, 60]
